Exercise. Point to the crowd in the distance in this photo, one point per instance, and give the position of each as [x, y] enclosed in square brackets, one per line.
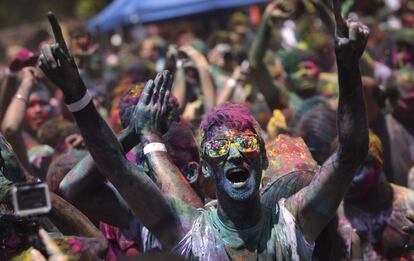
[289, 139]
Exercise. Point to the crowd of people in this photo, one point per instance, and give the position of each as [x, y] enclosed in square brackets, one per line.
[291, 139]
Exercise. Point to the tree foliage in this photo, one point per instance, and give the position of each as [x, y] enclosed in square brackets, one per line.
[88, 8]
[16, 12]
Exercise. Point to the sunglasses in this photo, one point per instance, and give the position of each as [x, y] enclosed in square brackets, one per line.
[219, 148]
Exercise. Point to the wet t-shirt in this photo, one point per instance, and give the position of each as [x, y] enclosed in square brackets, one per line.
[275, 237]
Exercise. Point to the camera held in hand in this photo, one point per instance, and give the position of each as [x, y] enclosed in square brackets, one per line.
[31, 199]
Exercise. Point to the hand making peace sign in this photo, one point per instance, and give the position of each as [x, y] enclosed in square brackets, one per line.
[351, 37]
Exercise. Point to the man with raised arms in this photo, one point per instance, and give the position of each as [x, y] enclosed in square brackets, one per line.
[238, 226]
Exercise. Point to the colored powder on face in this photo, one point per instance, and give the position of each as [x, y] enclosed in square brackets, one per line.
[292, 58]
[243, 142]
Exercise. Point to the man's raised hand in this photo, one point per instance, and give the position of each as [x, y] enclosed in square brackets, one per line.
[150, 114]
[350, 37]
[279, 10]
[59, 66]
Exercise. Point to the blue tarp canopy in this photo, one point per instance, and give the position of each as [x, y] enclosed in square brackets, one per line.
[122, 12]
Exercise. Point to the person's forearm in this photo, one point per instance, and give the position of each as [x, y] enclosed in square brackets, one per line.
[14, 117]
[325, 15]
[352, 119]
[172, 182]
[81, 179]
[85, 188]
[179, 89]
[260, 44]
[17, 142]
[7, 89]
[71, 221]
[169, 176]
[225, 94]
[101, 142]
[275, 95]
[13, 123]
[154, 212]
[85, 175]
[207, 87]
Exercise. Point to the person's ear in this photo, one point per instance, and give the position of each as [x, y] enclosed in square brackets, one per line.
[192, 172]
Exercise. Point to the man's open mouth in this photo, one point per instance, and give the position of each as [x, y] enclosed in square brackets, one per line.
[238, 176]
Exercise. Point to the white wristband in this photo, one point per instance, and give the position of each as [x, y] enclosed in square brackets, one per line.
[20, 97]
[179, 64]
[156, 146]
[232, 83]
[79, 105]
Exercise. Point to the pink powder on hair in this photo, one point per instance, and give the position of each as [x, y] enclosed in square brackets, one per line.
[230, 115]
